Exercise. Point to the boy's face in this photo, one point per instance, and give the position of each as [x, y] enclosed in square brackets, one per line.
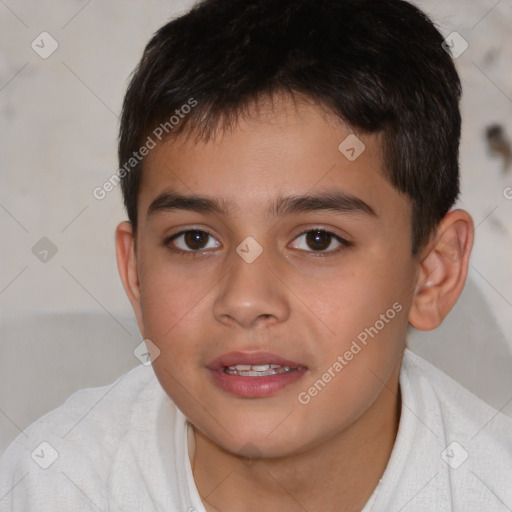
[305, 299]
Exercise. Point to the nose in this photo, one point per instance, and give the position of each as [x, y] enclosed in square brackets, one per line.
[251, 295]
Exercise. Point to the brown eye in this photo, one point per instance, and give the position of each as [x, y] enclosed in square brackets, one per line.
[196, 239]
[193, 240]
[318, 240]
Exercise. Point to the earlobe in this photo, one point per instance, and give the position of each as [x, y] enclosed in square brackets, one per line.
[443, 271]
[127, 267]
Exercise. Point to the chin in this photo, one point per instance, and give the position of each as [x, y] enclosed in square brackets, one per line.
[255, 443]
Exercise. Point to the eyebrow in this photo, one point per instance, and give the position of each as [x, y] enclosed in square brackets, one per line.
[335, 202]
[169, 201]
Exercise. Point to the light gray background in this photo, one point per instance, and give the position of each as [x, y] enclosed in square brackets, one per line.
[66, 323]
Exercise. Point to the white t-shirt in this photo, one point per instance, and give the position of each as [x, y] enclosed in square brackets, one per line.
[125, 447]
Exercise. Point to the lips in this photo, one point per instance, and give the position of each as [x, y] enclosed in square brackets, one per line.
[251, 358]
[254, 374]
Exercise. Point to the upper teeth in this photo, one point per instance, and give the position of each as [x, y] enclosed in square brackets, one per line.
[254, 367]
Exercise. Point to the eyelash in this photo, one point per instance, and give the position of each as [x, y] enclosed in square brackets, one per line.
[194, 254]
[344, 244]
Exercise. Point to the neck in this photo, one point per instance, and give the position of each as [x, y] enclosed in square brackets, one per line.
[338, 474]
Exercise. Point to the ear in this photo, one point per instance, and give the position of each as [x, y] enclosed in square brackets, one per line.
[443, 271]
[127, 267]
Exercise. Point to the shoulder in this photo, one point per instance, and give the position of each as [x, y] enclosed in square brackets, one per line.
[472, 441]
[81, 437]
[461, 410]
[96, 411]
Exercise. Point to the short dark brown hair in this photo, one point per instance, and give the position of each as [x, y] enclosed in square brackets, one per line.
[378, 65]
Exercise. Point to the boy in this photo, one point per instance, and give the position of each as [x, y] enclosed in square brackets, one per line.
[288, 168]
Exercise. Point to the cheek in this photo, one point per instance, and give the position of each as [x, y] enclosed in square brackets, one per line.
[365, 310]
[173, 306]
[355, 362]
[344, 398]
[348, 302]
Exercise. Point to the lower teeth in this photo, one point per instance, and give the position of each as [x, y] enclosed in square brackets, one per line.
[253, 373]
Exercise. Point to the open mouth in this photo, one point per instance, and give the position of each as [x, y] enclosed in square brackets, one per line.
[254, 374]
[257, 370]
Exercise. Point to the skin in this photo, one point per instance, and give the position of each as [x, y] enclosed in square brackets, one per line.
[330, 453]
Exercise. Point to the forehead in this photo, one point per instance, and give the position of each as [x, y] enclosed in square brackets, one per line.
[283, 147]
